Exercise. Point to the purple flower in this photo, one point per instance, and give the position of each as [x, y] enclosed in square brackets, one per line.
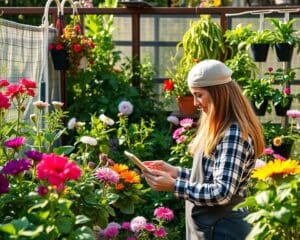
[15, 167]
[112, 230]
[34, 155]
[107, 175]
[126, 225]
[173, 119]
[15, 142]
[42, 190]
[3, 184]
[125, 107]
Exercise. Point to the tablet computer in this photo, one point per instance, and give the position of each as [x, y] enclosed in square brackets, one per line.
[137, 162]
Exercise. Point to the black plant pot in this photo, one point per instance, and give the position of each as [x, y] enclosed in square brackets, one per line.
[281, 110]
[284, 52]
[60, 59]
[284, 150]
[261, 111]
[260, 51]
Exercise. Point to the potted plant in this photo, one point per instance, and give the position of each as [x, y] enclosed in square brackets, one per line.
[259, 43]
[284, 38]
[74, 48]
[259, 91]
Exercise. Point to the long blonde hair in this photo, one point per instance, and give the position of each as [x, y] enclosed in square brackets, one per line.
[228, 105]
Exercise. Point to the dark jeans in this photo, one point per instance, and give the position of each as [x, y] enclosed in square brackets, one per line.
[230, 227]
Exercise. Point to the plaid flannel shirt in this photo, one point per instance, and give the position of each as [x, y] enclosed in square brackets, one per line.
[226, 172]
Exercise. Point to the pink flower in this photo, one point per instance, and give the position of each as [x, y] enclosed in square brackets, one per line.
[57, 170]
[177, 133]
[293, 113]
[149, 227]
[126, 225]
[15, 142]
[161, 232]
[27, 83]
[138, 223]
[259, 163]
[186, 122]
[163, 213]
[268, 151]
[4, 101]
[112, 230]
[107, 175]
[287, 90]
[77, 28]
[181, 139]
[278, 156]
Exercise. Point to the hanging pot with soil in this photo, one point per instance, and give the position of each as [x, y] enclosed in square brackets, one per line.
[60, 59]
[260, 51]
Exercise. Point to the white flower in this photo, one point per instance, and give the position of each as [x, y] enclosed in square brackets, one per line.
[40, 104]
[125, 107]
[173, 119]
[72, 123]
[89, 140]
[259, 163]
[57, 104]
[138, 223]
[106, 120]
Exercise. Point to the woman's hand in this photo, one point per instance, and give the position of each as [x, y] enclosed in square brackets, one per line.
[162, 166]
[159, 180]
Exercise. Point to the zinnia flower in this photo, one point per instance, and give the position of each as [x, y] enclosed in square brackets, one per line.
[138, 223]
[276, 168]
[4, 83]
[149, 227]
[163, 213]
[15, 142]
[112, 230]
[173, 119]
[278, 156]
[177, 133]
[107, 175]
[161, 232]
[125, 107]
[88, 140]
[126, 225]
[268, 151]
[293, 113]
[106, 120]
[181, 139]
[186, 122]
[71, 123]
[57, 170]
[4, 101]
[3, 184]
[27, 83]
[16, 166]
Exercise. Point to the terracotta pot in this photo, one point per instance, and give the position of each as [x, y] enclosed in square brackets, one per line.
[186, 105]
[60, 59]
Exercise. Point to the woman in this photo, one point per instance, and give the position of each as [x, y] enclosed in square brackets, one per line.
[228, 140]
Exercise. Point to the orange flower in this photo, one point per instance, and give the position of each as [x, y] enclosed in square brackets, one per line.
[119, 167]
[277, 168]
[120, 186]
[277, 141]
[130, 177]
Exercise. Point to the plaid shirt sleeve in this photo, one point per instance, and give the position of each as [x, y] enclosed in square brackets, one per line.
[233, 162]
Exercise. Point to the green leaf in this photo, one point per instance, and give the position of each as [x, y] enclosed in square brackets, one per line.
[81, 219]
[127, 208]
[33, 234]
[112, 198]
[83, 233]
[15, 226]
[256, 216]
[64, 150]
[283, 194]
[259, 231]
[249, 202]
[283, 215]
[42, 204]
[263, 198]
[8, 228]
[64, 224]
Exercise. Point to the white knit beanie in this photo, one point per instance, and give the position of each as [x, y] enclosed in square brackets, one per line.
[209, 72]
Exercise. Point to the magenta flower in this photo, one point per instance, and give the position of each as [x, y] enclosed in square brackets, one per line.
[138, 223]
[163, 213]
[177, 133]
[42, 190]
[181, 139]
[278, 156]
[15, 167]
[3, 83]
[270, 69]
[4, 101]
[34, 155]
[15, 142]
[186, 122]
[126, 225]
[150, 227]
[268, 151]
[112, 230]
[107, 175]
[161, 232]
[3, 184]
[287, 90]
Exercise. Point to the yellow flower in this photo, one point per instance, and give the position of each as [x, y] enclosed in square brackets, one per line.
[217, 3]
[275, 168]
[277, 141]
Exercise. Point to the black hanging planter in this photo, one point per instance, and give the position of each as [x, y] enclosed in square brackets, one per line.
[261, 111]
[60, 59]
[281, 110]
[284, 51]
[260, 51]
[284, 149]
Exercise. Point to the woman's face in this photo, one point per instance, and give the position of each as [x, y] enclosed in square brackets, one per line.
[202, 98]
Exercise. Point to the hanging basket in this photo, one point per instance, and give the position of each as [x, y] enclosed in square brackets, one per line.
[60, 59]
[284, 150]
[186, 105]
[284, 52]
[261, 111]
[281, 110]
[260, 52]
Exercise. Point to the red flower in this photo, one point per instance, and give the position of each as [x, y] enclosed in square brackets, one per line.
[92, 45]
[4, 101]
[77, 28]
[168, 85]
[51, 46]
[27, 83]
[14, 90]
[270, 69]
[59, 46]
[4, 83]
[76, 47]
